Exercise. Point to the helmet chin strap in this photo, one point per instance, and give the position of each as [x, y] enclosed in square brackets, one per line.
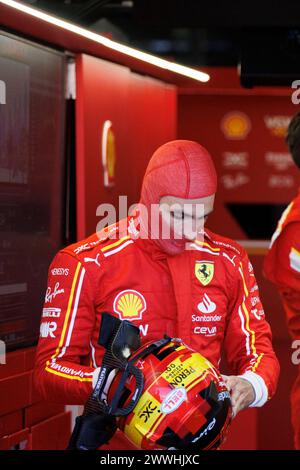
[97, 424]
[121, 339]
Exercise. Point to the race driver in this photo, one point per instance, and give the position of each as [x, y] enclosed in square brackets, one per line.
[282, 267]
[191, 284]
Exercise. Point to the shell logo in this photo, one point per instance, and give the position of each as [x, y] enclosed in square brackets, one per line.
[130, 305]
[108, 153]
[235, 125]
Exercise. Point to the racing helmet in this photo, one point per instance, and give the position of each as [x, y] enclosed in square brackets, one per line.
[183, 402]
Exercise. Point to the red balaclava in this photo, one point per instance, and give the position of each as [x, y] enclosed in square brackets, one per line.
[180, 168]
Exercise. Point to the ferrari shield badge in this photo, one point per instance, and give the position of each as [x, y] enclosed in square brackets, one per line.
[204, 271]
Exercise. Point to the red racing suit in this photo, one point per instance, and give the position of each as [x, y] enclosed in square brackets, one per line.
[207, 296]
[282, 267]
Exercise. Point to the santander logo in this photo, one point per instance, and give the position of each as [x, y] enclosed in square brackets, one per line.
[173, 400]
[207, 305]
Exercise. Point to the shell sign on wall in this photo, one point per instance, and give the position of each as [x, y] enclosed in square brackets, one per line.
[108, 151]
[235, 125]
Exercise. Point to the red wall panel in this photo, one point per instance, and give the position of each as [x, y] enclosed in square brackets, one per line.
[19, 439]
[17, 362]
[242, 433]
[25, 421]
[52, 434]
[15, 392]
[143, 113]
[38, 412]
[11, 423]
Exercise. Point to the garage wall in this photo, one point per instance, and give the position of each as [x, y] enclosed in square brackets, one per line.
[142, 111]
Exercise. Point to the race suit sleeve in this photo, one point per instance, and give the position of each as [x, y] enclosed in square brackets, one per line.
[248, 340]
[65, 330]
[286, 276]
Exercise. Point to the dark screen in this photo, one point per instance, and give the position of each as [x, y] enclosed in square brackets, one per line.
[258, 221]
[270, 57]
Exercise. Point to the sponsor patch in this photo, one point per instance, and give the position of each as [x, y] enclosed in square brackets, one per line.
[204, 271]
[51, 312]
[60, 271]
[68, 370]
[51, 295]
[130, 305]
[205, 330]
[147, 411]
[206, 430]
[47, 329]
[173, 400]
[90, 245]
[207, 305]
[254, 300]
[223, 395]
[179, 373]
[92, 260]
[258, 314]
[206, 318]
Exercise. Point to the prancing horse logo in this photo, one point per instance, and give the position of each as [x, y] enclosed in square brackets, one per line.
[204, 271]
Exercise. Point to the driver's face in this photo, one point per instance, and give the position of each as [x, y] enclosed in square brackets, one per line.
[186, 216]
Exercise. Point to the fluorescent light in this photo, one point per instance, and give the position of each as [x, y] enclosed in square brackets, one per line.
[116, 46]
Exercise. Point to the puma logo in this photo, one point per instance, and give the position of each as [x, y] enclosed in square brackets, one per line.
[93, 260]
